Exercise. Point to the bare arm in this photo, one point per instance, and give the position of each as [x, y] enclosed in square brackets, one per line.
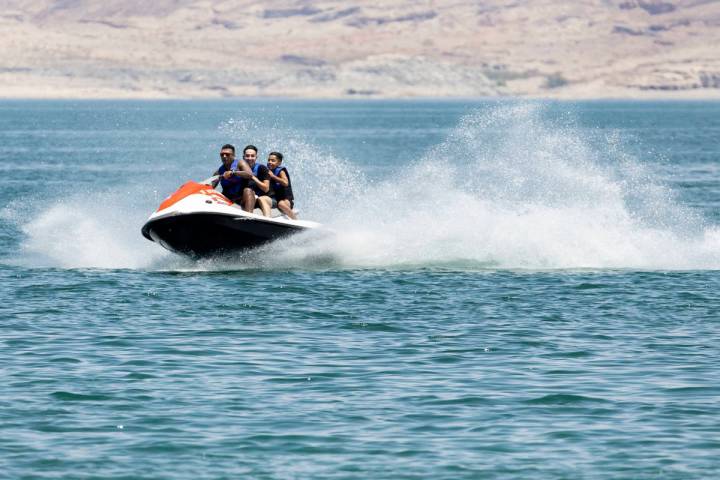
[263, 184]
[243, 170]
[281, 179]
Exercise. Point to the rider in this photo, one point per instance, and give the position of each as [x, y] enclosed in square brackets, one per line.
[280, 185]
[258, 183]
[232, 174]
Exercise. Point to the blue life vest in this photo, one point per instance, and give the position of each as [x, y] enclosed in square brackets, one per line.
[276, 171]
[233, 186]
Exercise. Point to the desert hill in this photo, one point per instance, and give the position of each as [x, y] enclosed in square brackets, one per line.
[331, 48]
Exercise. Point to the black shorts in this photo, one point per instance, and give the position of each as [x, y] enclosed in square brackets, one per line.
[237, 200]
[276, 200]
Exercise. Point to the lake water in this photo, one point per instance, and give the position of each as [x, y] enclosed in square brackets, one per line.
[509, 290]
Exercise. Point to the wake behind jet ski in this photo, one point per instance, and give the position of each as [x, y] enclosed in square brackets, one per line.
[198, 221]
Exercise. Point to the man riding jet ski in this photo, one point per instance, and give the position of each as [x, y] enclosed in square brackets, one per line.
[198, 221]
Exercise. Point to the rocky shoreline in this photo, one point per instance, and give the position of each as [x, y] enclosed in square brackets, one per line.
[334, 49]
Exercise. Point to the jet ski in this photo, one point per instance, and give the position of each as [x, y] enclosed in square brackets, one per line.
[199, 221]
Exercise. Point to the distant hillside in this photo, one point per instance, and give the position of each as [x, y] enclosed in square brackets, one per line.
[388, 48]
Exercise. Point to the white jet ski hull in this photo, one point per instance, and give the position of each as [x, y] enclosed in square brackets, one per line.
[199, 222]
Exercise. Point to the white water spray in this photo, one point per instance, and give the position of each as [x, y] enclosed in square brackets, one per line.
[508, 189]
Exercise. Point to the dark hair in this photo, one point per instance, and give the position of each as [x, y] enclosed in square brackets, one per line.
[249, 147]
[277, 154]
[227, 145]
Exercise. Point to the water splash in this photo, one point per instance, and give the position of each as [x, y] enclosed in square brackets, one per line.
[323, 181]
[509, 189]
[512, 189]
[81, 232]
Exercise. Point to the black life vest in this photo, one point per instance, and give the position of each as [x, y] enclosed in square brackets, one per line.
[281, 192]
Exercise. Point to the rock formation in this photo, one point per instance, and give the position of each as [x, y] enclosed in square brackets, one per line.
[333, 48]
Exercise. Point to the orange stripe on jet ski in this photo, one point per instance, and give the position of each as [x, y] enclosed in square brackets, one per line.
[191, 188]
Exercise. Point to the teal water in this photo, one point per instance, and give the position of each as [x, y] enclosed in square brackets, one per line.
[508, 290]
